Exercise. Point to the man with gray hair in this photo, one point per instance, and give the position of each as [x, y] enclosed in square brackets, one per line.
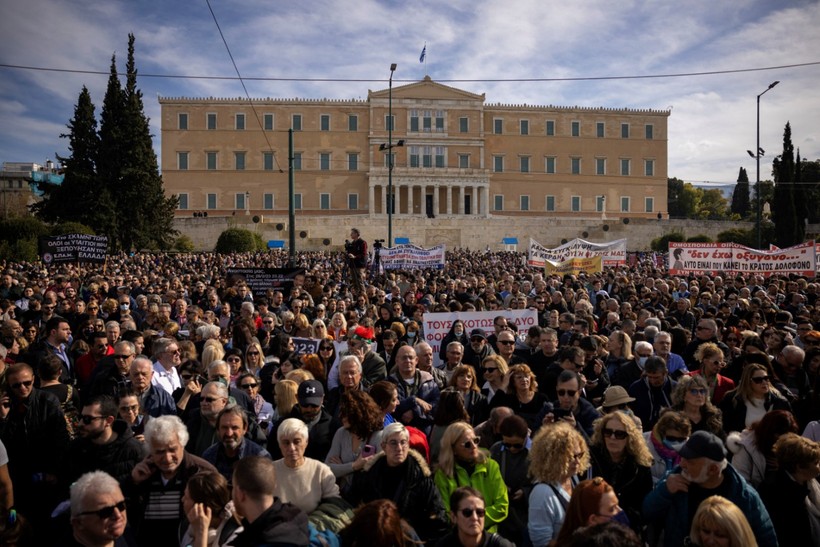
[674, 362]
[154, 401]
[350, 379]
[424, 352]
[202, 421]
[168, 359]
[703, 472]
[98, 511]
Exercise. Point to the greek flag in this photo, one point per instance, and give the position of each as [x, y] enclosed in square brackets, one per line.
[423, 53]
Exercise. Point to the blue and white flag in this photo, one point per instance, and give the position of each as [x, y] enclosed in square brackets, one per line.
[423, 53]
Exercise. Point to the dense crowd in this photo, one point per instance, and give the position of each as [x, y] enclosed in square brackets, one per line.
[154, 401]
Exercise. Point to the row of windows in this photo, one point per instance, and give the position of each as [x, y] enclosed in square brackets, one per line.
[268, 161]
[421, 121]
[576, 204]
[575, 163]
[242, 201]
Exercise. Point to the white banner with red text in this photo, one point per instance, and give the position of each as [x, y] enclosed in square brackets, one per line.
[410, 257]
[700, 258]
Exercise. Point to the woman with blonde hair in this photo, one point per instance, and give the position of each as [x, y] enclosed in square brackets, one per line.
[754, 396]
[495, 371]
[691, 397]
[712, 361]
[462, 463]
[557, 456]
[619, 346]
[319, 330]
[285, 397]
[302, 327]
[619, 455]
[254, 358]
[337, 330]
[212, 351]
[718, 521]
[522, 395]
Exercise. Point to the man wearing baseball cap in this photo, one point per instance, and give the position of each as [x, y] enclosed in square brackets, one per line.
[309, 408]
[704, 471]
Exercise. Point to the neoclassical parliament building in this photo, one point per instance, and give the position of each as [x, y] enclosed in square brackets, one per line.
[454, 155]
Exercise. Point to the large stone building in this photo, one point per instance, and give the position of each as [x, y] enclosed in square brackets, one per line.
[459, 157]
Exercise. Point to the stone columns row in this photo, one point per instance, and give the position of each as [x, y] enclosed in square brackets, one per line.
[479, 203]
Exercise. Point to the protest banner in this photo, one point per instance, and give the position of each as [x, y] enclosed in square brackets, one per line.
[700, 258]
[73, 248]
[304, 346]
[574, 266]
[437, 325]
[411, 257]
[259, 280]
[816, 253]
[612, 254]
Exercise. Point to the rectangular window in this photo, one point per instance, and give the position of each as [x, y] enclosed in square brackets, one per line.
[296, 122]
[414, 156]
[525, 164]
[414, 121]
[324, 161]
[439, 121]
[324, 201]
[324, 122]
[624, 130]
[427, 121]
[352, 162]
[525, 203]
[211, 201]
[464, 161]
[183, 201]
[464, 125]
[600, 166]
[600, 130]
[649, 131]
[239, 200]
[239, 160]
[267, 161]
[182, 161]
[649, 168]
[576, 165]
[498, 164]
[440, 157]
[550, 128]
[210, 161]
[550, 206]
[498, 126]
[427, 156]
[182, 122]
[267, 201]
[576, 129]
[498, 202]
[600, 203]
[211, 121]
[390, 159]
[353, 201]
[525, 127]
[625, 167]
[649, 205]
[352, 122]
[390, 123]
[240, 122]
[575, 203]
[549, 166]
[267, 120]
[297, 161]
[624, 204]
[297, 201]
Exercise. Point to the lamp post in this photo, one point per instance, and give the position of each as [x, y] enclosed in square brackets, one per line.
[757, 158]
[390, 158]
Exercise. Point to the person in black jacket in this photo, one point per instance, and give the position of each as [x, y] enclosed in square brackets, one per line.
[309, 409]
[357, 261]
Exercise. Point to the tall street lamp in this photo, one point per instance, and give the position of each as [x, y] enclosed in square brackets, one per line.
[389, 148]
[757, 157]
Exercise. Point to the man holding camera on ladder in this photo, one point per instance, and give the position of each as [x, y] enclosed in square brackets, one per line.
[357, 260]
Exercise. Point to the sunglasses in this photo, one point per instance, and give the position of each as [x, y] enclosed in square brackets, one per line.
[326, 348]
[86, 419]
[119, 356]
[515, 446]
[210, 399]
[698, 391]
[253, 353]
[617, 433]
[467, 513]
[760, 379]
[567, 392]
[233, 359]
[107, 512]
[471, 443]
[18, 385]
[490, 369]
[674, 439]
[248, 386]
[506, 342]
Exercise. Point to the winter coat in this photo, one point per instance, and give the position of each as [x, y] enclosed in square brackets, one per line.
[486, 478]
[116, 458]
[733, 407]
[748, 460]
[793, 507]
[650, 401]
[631, 481]
[282, 525]
[424, 388]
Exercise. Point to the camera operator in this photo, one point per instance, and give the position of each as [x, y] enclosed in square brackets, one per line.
[357, 259]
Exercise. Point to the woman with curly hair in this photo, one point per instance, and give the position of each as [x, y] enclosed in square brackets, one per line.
[357, 441]
[691, 397]
[465, 382]
[712, 361]
[619, 455]
[462, 463]
[754, 396]
[557, 456]
[665, 441]
[522, 395]
[753, 448]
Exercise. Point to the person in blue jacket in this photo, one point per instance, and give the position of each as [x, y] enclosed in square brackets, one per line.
[704, 471]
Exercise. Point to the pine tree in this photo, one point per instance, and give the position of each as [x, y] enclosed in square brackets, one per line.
[801, 201]
[740, 197]
[111, 155]
[783, 210]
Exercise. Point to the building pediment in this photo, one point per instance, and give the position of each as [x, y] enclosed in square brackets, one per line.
[426, 89]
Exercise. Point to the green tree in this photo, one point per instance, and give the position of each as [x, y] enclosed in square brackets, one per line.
[236, 240]
[712, 205]
[661, 244]
[740, 196]
[689, 201]
[810, 181]
[789, 228]
[739, 236]
[674, 187]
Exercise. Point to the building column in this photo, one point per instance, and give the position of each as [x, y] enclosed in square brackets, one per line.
[410, 199]
[397, 193]
[435, 200]
[371, 201]
[449, 190]
[461, 199]
[486, 192]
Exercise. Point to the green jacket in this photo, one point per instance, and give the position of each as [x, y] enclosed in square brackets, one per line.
[486, 479]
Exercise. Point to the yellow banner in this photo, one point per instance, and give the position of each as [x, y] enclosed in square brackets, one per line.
[574, 266]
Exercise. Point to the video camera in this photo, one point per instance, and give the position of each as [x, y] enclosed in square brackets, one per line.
[378, 243]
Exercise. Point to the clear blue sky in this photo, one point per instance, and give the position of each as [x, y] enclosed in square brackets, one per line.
[713, 116]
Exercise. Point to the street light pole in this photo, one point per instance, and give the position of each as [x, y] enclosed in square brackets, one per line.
[757, 157]
[390, 158]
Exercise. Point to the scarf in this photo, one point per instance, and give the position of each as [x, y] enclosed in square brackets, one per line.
[670, 457]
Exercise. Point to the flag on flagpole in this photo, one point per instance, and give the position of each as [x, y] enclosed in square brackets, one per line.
[423, 53]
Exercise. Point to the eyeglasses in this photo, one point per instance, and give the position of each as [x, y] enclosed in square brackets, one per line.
[515, 446]
[268, 322]
[119, 356]
[93, 308]
[107, 512]
[18, 385]
[760, 379]
[674, 439]
[173, 351]
[474, 442]
[490, 369]
[507, 342]
[567, 392]
[86, 419]
[233, 359]
[467, 512]
[698, 391]
[619, 434]
[210, 400]
[396, 444]
[248, 386]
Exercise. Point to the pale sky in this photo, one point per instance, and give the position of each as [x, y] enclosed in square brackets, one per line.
[711, 126]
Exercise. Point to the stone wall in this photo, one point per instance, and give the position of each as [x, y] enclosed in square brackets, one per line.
[316, 233]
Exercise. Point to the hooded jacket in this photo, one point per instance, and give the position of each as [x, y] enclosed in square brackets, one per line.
[748, 460]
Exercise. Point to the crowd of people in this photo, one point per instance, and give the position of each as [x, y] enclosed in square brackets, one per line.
[154, 401]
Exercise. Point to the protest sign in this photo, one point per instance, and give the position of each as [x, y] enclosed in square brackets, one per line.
[700, 258]
[73, 248]
[612, 253]
[410, 257]
[259, 280]
[574, 266]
